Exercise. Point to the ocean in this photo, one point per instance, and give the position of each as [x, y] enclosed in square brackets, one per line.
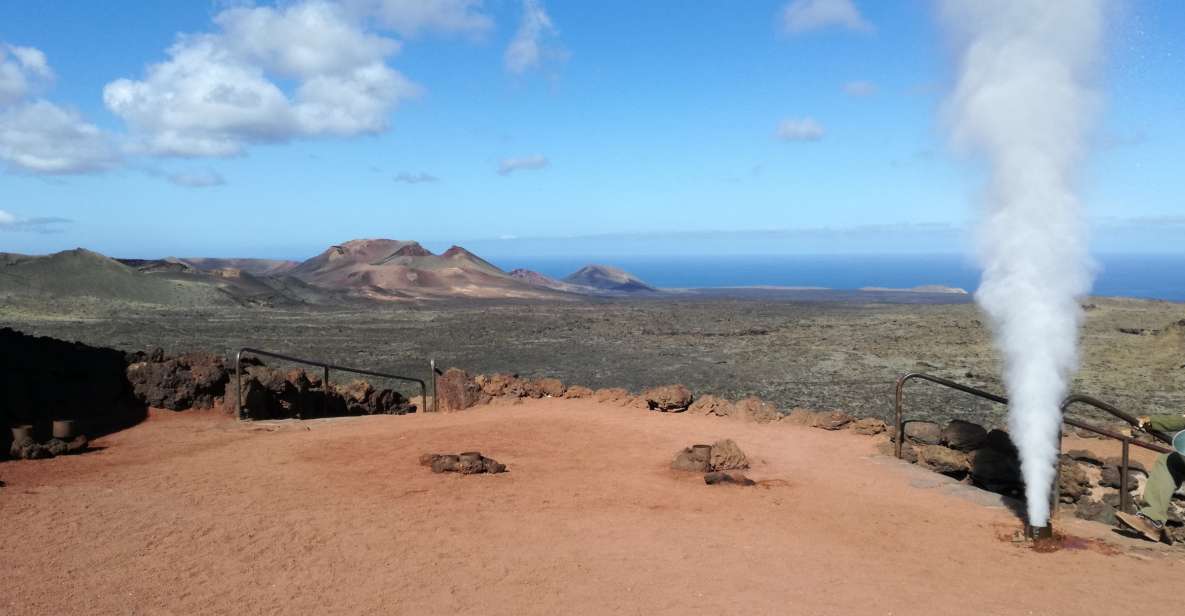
[1143, 276]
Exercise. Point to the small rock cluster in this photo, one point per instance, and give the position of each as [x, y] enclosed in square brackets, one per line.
[274, 394]
[468, 463]
[26, 448]
[713, 460]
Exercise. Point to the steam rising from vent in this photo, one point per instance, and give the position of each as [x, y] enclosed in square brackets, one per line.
[1023, 102]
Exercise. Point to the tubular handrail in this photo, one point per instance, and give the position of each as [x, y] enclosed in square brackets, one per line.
[326, 367]
[1103, 406]
[1126, 440]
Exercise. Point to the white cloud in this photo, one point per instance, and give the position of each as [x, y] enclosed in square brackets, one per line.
[506, 166]
[40, 137]
[800, 129]
[859, 88]
[197, 179]
[23, 70]
[806, 15]
[45, 224]
[526, 49]
[415, 178]
[37, 136]
[410, 17]
[221, 92]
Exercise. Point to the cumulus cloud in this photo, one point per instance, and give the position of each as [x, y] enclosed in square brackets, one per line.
[23, 71]
[859, 88]
[221, 92]
[802, 16]
[44, 224]
[37, 136]
[411, 17]
[800, 129]
[197, 179]
[506, 166]
[415, 178]
[526, 50]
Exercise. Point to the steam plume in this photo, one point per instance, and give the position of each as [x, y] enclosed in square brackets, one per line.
[1023, 101]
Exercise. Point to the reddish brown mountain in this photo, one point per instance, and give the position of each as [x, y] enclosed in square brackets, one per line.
[392, 269]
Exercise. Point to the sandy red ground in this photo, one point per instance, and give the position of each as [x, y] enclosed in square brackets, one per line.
[193, 513]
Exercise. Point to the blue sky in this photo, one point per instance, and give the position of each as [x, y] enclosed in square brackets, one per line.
[534, 126]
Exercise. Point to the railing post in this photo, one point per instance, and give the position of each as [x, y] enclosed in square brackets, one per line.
[898, 422]
[239, 385]
[435, 398]
[325, 392]
[1124, 495]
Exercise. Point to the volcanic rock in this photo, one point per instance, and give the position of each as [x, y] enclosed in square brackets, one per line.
[1000, 441]
[1073, 482]
[1085, 456]
[28, 449]
[715, 478]
[758, 410]
[1111, 478]
[726, 455]
[868, 426]
[995, 470]
[575, 392]
[495, 385]
[1096, 511]
[908, 453]
[468, 463]
[711, 405]
[923, 432]
[549, 388]
[192, 380]
[1132, 464]
[944, 460]
[612, 395]
[668, 398]
[694, 459]
[832, 420]
[455, 391]
[963, 435]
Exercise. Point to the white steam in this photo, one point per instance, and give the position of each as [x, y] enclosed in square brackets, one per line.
[1023, 101]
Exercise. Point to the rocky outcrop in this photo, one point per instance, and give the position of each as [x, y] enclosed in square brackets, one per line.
[576, 392]
[923, 432]
[944, 460]
[192, 380]
[668, 398]
[711, 405]
[455, 391]
[868, 426]
[758, 410]
[963, 435]
[272, 394]
[726, 455]
[468, 463]
[831, 420]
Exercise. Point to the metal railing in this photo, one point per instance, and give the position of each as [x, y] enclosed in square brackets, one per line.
[326, 367]
[1126, 440]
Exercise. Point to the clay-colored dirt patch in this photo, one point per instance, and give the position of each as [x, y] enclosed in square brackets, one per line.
[198, 514]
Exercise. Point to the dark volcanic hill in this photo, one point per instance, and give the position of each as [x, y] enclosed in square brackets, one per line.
[82, 273]
[258, 267]
[393, 269]
[608, 278]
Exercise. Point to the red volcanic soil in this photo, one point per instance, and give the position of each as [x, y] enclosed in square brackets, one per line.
[195, 513]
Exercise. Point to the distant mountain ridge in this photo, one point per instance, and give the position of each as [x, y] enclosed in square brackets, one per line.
[363, 269]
